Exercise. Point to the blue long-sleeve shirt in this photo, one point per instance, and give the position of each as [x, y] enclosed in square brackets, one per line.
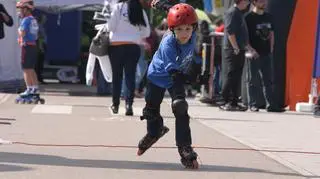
[171, 56]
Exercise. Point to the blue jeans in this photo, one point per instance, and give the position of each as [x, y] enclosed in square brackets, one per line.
[260, 69]
[217, 80]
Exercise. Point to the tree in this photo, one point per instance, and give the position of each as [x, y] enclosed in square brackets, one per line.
[196, 3]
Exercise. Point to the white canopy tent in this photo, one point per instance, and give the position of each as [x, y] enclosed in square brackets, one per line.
[65, 2]
[11, 77]
[60, 6]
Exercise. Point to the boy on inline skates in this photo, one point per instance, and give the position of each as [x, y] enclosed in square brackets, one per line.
[172, 65]
[28, 34]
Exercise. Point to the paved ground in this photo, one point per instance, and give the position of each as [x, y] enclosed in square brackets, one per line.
[227, 142]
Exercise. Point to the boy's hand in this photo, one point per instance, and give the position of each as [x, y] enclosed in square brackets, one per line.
[253, 51]
[20, 41]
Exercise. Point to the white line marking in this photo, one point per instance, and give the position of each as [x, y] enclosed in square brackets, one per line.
[52, 109]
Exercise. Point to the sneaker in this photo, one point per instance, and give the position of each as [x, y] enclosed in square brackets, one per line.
[229, 107]
[226, 107]
[239, 108]
[273, 109]
[129, 110]
[254, 109]
[115, 109]
[190, 94]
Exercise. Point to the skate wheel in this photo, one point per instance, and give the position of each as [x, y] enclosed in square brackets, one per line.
[195, 164]
[190, 165]
[42, 101]
[144, 147]
[140, 152]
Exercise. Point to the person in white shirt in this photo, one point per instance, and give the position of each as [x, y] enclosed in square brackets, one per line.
[128, 25]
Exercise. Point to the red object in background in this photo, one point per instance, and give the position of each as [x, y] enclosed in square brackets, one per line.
[301, 52]
[220, 28]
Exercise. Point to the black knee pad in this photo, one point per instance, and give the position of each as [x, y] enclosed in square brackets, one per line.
[150, 114]
[179, 106]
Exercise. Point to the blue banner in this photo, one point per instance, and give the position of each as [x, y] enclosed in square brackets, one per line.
[207, 6]
[316, 69]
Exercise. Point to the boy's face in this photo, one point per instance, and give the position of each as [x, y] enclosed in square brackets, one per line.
[261, 4]
[22, 12]
[183, 33]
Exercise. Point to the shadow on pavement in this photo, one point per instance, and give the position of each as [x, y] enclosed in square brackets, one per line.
[52, 160]
[12, 168]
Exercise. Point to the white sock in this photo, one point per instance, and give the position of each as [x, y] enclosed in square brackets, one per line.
[34, 89]
[29, 88]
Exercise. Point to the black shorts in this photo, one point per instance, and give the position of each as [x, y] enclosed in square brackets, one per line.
[29, 55]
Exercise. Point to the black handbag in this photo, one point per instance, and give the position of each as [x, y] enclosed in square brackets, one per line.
[100, 43]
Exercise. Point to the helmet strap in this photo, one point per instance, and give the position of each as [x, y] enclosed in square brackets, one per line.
[195, 27]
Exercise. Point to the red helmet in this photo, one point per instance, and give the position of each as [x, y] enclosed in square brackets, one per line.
[25, 4]
[181, 14]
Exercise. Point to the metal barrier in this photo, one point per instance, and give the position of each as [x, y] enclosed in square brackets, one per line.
[207, 91]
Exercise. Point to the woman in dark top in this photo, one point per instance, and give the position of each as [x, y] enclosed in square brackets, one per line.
[5, 18]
